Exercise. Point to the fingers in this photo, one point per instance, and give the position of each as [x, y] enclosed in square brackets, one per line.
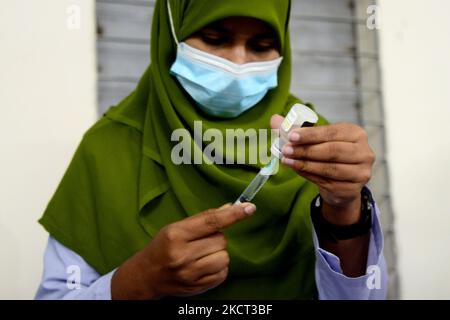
[275, 121]
[213, 280]
[212, 263]
[226, 205]
[328, 184]
[203, 284]
[340, 191]
[206, 246]
[347, 132]
[341, 152]
[207, 282]
[190, 274]
[213, 220]
[329, 170]
[318, 180]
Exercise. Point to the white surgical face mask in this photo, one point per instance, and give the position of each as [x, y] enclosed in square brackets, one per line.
[220, 87]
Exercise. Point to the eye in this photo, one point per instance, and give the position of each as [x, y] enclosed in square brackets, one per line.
[262, 46]
[214, 39]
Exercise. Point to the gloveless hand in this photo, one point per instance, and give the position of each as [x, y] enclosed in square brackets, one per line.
[336, 157]
[185, 258]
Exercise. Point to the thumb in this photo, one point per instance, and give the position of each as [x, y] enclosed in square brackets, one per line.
[275, 121]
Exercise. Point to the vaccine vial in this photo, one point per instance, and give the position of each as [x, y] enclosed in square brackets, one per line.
[299, 116]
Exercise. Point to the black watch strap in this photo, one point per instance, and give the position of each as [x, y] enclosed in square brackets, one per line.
[332, 232]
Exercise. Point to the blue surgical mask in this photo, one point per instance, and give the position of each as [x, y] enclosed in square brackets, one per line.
[220, 87]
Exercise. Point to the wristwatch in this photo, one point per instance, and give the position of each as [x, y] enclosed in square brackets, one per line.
[334, 233]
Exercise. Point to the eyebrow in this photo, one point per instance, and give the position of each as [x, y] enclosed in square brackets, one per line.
[217, 27]
[266, 35]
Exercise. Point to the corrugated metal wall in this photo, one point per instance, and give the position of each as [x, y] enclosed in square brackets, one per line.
[335, 66]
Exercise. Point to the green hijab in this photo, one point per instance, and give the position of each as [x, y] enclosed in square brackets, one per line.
[121, 186]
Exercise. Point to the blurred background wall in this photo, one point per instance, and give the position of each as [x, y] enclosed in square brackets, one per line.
[415, 54]
[47, 101]
[48, 91]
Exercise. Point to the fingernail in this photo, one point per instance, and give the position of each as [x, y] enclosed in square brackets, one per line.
[249, 208]
[288, 150]
[294, 136]
[287, 161]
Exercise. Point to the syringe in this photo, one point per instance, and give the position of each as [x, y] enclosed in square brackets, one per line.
[299, 116]
[258, 181]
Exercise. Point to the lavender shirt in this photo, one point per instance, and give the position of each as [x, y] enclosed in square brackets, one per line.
[68, 276]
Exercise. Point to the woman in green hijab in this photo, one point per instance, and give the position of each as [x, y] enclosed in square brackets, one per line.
[154, 228]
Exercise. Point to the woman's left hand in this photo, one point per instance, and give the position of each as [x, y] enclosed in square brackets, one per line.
[336, 157]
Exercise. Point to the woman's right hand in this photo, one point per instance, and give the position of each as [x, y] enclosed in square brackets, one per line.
[185, 258]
